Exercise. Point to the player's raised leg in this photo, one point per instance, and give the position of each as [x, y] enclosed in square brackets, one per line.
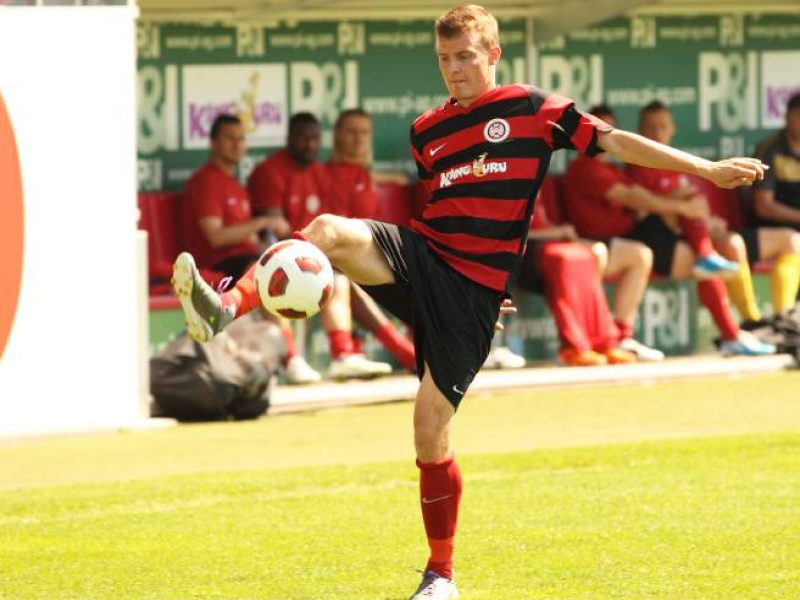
[349, 245]
[205, 313]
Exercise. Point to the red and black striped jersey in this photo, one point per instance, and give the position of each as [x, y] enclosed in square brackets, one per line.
[482, 167]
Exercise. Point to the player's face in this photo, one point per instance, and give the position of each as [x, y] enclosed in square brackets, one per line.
[467, 68]
[793, 124]
[229, 146]
[353, 138]
[304, 143]
[658, 126]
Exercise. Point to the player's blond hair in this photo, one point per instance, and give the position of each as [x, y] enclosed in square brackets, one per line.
[470, 17]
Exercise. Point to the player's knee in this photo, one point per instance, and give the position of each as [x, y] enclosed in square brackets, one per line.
[644, 257]
[324, 232]
[792, 242]
[737, 243]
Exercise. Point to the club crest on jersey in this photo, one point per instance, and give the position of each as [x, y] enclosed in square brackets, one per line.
[496, 130]
[479, 168]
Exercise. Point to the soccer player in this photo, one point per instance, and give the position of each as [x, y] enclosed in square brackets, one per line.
[482, 156]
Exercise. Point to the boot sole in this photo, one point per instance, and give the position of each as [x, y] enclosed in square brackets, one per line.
[183, 285]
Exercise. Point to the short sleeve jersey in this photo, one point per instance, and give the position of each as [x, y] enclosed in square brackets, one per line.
[212, 192]
[299, 193]
[483, 166]
[352, 193]
[586, 183]
[783, 176]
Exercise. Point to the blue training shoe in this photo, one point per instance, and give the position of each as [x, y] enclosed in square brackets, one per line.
[746, 344]
[714, 265]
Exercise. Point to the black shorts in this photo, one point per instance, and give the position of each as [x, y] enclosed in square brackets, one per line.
[654, 233]
[452, 317]
[750, 237]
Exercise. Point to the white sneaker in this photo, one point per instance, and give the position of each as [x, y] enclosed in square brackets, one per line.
[643, 353]
[299, 372]
[357, 366]
[435, 587]
[503, 358]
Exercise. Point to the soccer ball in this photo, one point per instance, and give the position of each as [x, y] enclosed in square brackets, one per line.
[294, 279]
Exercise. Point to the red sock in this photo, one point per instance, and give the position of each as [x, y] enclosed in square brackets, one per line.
[341, 342]
[625, 330]
[440, 495]
[288, 339]
[358, 345]
[713, 295]
[400, 346]
[695, 232]
[244, 295]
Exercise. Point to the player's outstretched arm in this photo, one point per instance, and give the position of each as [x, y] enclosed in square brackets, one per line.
[635, 149]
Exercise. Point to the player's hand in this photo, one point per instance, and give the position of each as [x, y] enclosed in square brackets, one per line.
[506, 308]
[735, 172]
[279, 226]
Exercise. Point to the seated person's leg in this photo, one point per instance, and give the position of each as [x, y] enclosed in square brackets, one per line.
[708, 263]
[740, 287]
[579, 308]
[711, 292]
[783, 246]
[630, 261]
[337, 322]
[714, 297]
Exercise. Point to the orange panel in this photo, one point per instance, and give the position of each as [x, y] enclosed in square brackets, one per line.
[11, 226]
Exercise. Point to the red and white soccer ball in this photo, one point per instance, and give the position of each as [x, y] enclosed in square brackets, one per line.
[294, 279]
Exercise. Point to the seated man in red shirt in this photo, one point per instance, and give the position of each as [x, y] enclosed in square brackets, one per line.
[217, 222]
[292, 184]
[629, 262]
[354, 196]
[755, 244]
[566, 272]
[605, 203]
[218, 226]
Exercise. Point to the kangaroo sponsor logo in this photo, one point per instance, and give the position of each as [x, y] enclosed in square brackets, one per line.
[479, 168]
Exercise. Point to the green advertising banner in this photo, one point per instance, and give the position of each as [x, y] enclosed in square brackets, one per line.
[726, 78]
[189, 73]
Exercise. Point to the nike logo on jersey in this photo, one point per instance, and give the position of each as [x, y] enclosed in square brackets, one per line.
[426, 501]
[435, 150]
[457, 391]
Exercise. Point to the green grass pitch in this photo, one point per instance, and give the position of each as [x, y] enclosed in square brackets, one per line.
[680, 491]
